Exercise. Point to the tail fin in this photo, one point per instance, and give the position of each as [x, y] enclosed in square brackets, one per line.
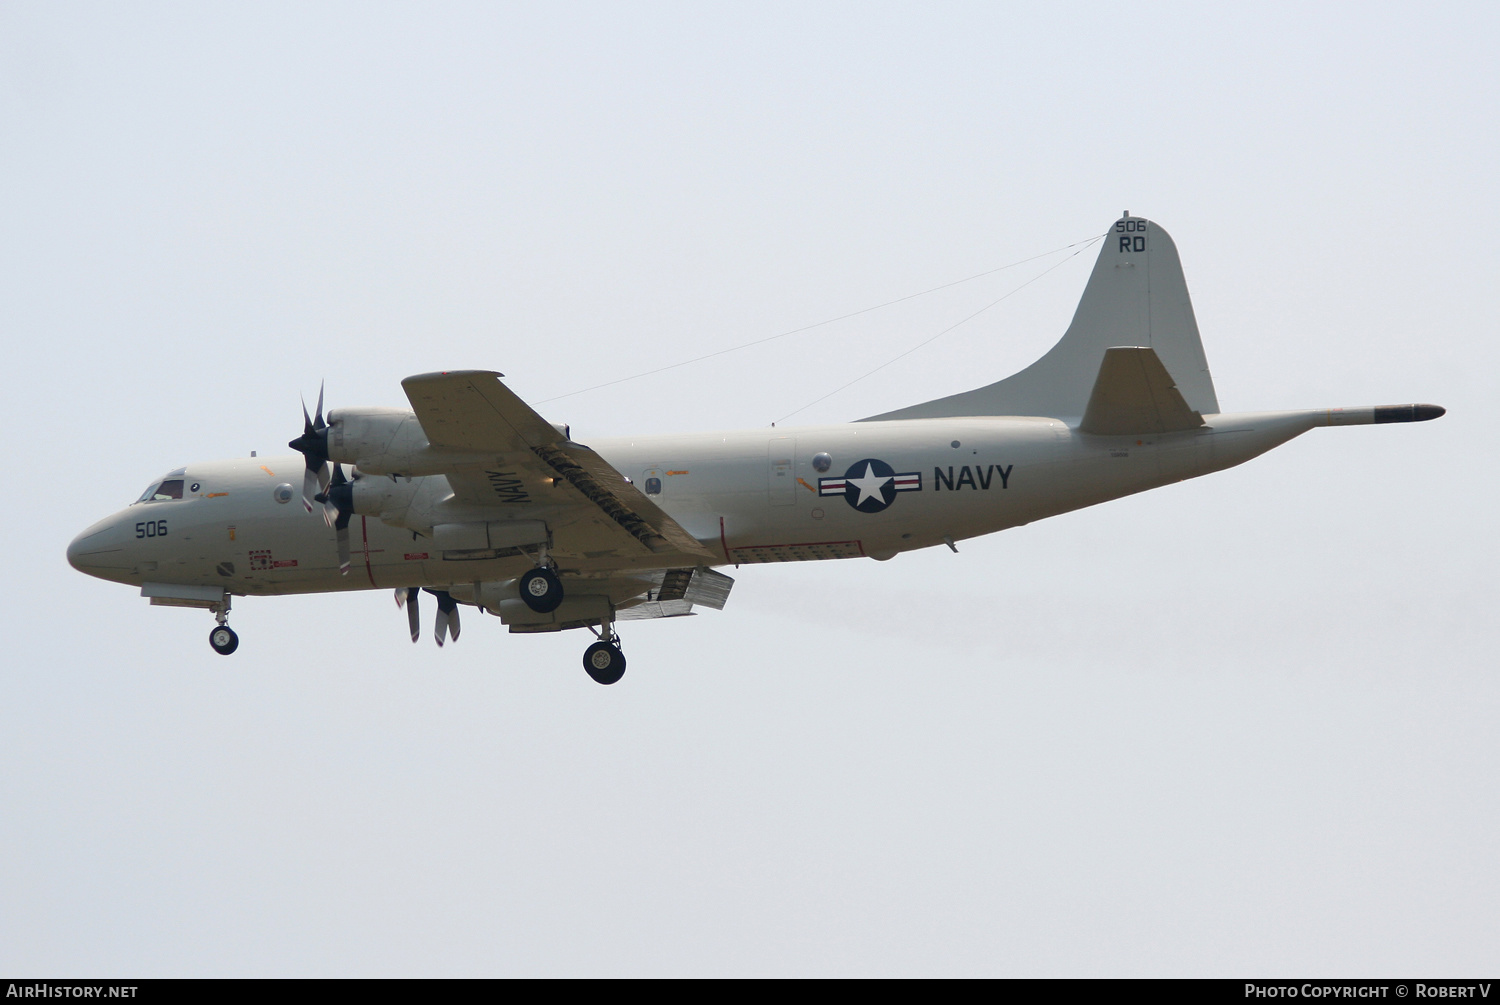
[1137, 296]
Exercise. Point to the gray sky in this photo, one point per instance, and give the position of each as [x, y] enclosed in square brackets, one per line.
[1241, 725]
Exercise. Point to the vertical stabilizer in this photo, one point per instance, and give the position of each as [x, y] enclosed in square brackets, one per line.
[1136, 296]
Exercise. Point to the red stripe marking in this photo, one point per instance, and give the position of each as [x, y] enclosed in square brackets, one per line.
[807, 544]
[364, 531]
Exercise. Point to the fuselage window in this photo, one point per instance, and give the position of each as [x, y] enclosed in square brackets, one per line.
[653, 486]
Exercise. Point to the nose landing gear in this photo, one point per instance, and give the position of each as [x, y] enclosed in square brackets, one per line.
[223, 638]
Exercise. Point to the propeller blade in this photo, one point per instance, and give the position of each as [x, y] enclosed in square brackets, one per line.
[447, 615]
[341, 531]
[335, 502]
[338, 507]
[413, 617]
[310, 487]
[313, 446]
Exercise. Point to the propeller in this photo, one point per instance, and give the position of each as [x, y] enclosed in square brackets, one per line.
[338, 507]
[313, 446]
[447, 615]
[409, 595]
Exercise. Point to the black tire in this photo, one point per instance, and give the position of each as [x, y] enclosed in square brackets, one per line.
[223, 640]
[541, 590]
[604, 662]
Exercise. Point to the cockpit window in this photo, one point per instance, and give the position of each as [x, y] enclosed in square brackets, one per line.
[161, 491]
[169, 486]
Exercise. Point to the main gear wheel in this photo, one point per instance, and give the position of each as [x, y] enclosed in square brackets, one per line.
[604, 662]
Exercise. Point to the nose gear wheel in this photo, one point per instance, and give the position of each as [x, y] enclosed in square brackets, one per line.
[223, 640]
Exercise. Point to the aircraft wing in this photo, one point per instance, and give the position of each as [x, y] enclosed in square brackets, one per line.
[538, 471]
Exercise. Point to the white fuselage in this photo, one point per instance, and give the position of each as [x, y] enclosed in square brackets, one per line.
[748, 496]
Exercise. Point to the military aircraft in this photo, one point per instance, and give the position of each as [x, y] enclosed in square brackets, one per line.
[476, 499]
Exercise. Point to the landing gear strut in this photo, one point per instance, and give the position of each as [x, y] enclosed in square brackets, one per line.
[223, 638]
[603, 660]
[540, 588]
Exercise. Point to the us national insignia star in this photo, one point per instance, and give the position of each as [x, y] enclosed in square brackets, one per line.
[870, 485]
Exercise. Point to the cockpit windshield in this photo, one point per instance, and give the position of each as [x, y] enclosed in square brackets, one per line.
[169, 487]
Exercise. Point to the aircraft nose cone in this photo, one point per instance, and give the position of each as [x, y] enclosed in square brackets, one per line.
[76, 552]
[99, 550]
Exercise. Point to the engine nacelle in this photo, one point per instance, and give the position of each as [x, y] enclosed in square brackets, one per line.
[366, 437]
[482, 539]
[386, 441]
[390, 441]
[384, 496]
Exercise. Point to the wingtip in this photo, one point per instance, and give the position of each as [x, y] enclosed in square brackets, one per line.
[418, 378]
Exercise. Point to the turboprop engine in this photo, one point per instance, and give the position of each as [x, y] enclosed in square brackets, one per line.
[389, 457]
[385, 441]
[378, 441]
[390, 441]
[390, 498]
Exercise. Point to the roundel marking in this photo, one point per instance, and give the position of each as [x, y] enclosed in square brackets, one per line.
[870, 485]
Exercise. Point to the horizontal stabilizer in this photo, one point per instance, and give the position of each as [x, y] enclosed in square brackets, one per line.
[1134, 394]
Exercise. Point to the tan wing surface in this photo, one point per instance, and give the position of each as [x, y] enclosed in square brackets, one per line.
[538, 468]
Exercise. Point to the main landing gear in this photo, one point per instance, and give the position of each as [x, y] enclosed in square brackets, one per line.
[540, 588]
[223, 638]
[603, 660]
[542, 591]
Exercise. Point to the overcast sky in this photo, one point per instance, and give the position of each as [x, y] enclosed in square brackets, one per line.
[1240, 725]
